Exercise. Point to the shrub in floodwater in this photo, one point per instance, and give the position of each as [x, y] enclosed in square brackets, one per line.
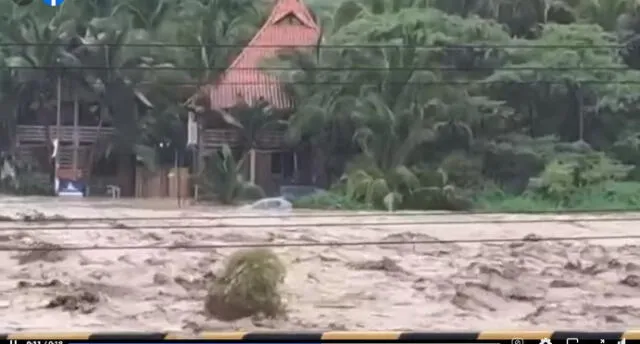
[249, 285]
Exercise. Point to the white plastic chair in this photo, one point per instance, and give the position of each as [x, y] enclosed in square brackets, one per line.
[113, 191]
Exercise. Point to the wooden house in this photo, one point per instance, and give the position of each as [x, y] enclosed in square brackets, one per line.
[77, 122]
[73, 121]
[273, 162]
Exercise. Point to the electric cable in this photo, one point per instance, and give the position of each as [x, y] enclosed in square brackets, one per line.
[618, 68]
[311, 244]
[422, 83]
[118, 225]
[449, 46]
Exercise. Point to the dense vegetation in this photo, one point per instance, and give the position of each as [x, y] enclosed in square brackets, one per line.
[408, 104]
[249, 285]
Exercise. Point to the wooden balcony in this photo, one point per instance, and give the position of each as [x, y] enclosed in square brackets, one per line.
[38, 133]
[215, 138]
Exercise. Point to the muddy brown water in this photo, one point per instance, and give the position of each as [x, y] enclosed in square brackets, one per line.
[523, 285]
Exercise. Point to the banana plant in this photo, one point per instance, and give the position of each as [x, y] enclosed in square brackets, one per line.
[222, 177]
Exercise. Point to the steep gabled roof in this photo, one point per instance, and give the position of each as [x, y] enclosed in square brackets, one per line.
[289, 25]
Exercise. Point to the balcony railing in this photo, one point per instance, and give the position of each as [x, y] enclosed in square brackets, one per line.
[215, 138]
[38, 133]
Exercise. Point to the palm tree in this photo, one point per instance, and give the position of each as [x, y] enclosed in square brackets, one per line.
[150, 15]
[222, 177]
[129, 67]
[321, 118]
[215, 32]
[389, 103]
[614, 15]
[387, 139]
[522, 17]
[39, 57]
[252, 122]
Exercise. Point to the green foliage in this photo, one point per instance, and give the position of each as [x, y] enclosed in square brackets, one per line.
[404, 188]
[607, 196]
[463, 170]
[586, 182]
[571, 174]
[222, 178]
[379, 188]
[393, 125]
[24, 179]
[250, 284]
[331, 200]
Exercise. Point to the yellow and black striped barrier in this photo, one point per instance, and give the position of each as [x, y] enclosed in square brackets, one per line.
[511, 337]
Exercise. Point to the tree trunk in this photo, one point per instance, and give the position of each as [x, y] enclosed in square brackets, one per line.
[96, 141]
[76, 135]
[321, 172]
[48, 145]
[580, 114]
[252, 166]
[58, 124]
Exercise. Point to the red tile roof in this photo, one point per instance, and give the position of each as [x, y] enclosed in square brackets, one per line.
[244, 80]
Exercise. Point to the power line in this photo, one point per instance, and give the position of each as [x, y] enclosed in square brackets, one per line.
[121, 226]
[311, 244]
[459, 46]
[329, 69]
[423, 83]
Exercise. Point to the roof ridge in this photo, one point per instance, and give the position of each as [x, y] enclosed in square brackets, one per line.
[295, 7]
[273, 17]
[272, 34]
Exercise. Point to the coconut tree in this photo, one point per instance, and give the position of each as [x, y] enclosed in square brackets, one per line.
[129, 67]
[550, 97]
[322, 96]
[215, 31]
[222, 178]
[251, 122]
[150, 15]
[40, 56]
[387, 64]
[522, 17]
[615, 15]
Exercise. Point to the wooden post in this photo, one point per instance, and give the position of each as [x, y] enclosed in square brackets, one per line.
[193, 140]
[59, 107]
[200, 152]
[76, 134]
[176, 176]
[252, 168]
[56, 161]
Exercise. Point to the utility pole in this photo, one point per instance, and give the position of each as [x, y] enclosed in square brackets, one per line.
[57, 139]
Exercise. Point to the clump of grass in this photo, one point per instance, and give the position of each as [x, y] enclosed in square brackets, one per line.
[250, 285]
